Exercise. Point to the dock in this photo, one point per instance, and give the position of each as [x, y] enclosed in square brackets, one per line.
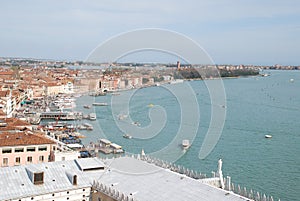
[105, 146]
[61, 115]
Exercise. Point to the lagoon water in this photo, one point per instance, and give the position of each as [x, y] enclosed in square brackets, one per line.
[255, 107]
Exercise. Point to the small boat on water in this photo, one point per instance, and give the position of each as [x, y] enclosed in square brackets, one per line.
[122, 116]
[100, 104]
[127, 136]
[185, 144]
[268, 136]
[136, 123]
[87, 106]
[92, 116]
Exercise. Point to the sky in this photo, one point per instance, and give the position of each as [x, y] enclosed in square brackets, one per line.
[258, 32]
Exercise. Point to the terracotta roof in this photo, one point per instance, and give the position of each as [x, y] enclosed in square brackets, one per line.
[6, 73]
[15, 122]
[2, 113]
[4, 93]
[23, 138]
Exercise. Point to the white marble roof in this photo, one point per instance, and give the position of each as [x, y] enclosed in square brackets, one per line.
[143, 180]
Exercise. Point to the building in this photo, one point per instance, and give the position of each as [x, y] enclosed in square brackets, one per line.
[125, 178]
[21, 148]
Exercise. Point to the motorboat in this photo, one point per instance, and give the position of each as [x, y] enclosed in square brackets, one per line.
[268, 136]
[92, 116]
[185, 144]
[87, 106]
[127, 136]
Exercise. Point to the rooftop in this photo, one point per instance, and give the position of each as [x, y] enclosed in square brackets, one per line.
[23, 138]
[135, 178]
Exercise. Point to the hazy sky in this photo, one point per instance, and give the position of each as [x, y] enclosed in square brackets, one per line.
[231, 31]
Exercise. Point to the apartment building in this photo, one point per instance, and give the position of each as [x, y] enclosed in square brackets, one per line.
[20, 148]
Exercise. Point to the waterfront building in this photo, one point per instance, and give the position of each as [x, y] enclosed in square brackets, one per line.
[68, 88]
[20, 148]
[6, 101]
[123, 178]
[53, 88]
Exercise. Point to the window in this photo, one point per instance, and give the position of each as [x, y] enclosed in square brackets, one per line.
[18, 160]
[29, 159]
[41, 158]
[5, 162]
[6, 150]
[19, 149]
[74, 179]
[39, 178]
[30, 149]
[43, 148]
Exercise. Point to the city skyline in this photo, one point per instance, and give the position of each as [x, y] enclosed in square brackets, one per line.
[232, 32]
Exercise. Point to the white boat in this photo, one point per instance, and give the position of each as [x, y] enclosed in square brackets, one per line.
[122, 116]
[92, 116]
[185, 144]
[127, 136]
[100, 104]
[268, 136]
[176, 81]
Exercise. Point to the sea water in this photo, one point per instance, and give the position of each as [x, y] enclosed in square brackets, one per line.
[255, 107]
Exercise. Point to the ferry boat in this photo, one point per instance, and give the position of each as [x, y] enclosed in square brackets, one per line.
[185, 144]
[100, 104]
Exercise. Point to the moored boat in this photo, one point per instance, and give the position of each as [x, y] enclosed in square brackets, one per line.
[100, 104]
[92, 116]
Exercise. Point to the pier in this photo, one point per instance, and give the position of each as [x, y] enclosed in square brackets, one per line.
[105, 146]
[61, 115]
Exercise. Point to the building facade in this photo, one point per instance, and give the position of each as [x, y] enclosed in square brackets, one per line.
[23, 148]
